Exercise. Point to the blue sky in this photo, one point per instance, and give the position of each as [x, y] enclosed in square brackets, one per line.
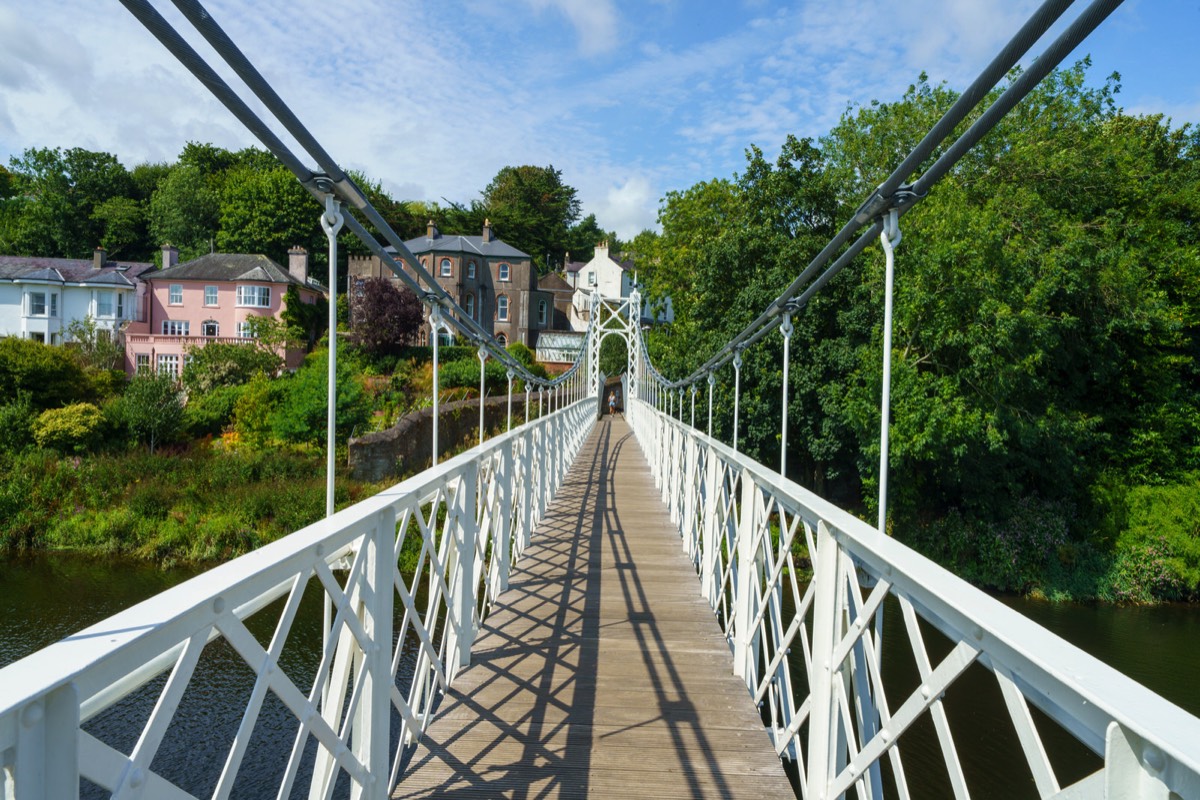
[629, 99]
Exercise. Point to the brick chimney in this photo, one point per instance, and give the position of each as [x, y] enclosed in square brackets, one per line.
[298, 264]
[99, 256]
[431, 231]
[170, 255]
[487, 231]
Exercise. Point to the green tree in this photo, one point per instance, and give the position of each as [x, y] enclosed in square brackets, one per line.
[185, 211]
[98, 348]
[301, 415]
[268, 211]
[152, 409]
[51, 375]
[58, 193]
[218, 364]
[386, 318]
[305, 321]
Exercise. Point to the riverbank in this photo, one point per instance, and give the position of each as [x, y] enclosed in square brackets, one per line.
[196, 503]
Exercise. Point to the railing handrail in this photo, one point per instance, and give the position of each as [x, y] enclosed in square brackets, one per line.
[1074, 688]
[65, 660]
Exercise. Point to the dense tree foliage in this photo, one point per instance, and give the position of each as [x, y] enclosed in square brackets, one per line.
[1046, 329]
[386, 318]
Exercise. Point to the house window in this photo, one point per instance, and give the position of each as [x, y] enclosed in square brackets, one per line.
[503, 272]
[470, 269]
[422, 339]
[209, 327]
[471, 306]
[175, 327]
[38, 336]
[210, 295]
[502, 339]
[175, 294]
[143, 363]
[168, 364]
[592, 278]
[37, 304]
[104, 304]
[254, 296]
[541, 312]
[120, 305]
[447, 268]
[502, 308]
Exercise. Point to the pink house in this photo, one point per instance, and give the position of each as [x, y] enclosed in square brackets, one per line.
[210, 299]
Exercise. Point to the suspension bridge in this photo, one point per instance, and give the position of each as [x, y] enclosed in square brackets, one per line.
[589, 605]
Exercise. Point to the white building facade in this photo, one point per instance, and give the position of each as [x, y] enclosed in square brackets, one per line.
[611, 278]
[41, 297]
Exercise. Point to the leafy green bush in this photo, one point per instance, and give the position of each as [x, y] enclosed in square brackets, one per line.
[226, 364]
[16, 423]
[152, 409]
[50, 374]
[71, 429]
[107, 382]
[1158, 552]
[465, 375]
[209, 413]
[301, 415]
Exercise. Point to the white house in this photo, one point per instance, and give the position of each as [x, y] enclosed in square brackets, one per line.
[41, 297]
[611, 278]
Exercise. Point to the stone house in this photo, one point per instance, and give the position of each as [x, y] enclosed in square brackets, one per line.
[493, 282]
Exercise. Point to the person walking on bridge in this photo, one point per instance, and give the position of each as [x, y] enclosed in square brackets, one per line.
[612, 403]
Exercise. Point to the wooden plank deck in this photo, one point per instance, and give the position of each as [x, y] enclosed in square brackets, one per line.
[601, 673]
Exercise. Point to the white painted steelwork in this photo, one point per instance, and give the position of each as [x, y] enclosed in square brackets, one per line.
[748, 531]
[467, 519]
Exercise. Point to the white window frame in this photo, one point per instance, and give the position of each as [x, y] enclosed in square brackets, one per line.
[33, 303]
[176, 327]
[502, 308]
[503, 272]
[446, 268]
[216, 328]
[249, 296]
[120, 305]
[470, 269]
[470, 309]
[167, 363]
[541, 312]
[142, 364]
[101, 311]
[175, 294]
[244, 331]
[591, 277]
[211, 295]
[502, 339]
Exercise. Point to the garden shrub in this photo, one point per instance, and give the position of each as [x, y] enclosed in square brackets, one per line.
[71, 429]
[16, 423]
[219, 364]
[301, 415]
[209, 413]
[50, 374]
[465, 375]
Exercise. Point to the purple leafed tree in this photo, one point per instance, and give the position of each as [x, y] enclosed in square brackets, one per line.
[386, 318]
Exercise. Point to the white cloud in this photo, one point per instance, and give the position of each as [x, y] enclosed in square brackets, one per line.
[595, 22]
[627, 207]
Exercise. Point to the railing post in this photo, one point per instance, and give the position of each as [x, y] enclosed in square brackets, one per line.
[47, 759]
[708, 544]
[786, 329]
[737, 392]
[526, 530]
[504, 530]
[372, 739]
[746, 578]
[435, 326]
[691, 488]
[510, 380]
[462, 598]
[712, 379]
[823, 728]
[483, 355]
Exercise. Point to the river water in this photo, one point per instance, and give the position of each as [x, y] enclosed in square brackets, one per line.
[47, 597]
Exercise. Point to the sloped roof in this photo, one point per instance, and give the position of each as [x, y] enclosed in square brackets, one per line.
[72, 270]
[473, 245]
[553, 282]
[229, 267]
[575, 266]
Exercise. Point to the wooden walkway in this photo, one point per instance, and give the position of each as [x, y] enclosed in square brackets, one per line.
[601, 673]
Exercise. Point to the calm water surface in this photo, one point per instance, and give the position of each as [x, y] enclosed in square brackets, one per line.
[48, 597]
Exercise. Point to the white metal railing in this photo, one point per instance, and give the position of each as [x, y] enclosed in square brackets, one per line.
[811, 652]
[466, 520]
